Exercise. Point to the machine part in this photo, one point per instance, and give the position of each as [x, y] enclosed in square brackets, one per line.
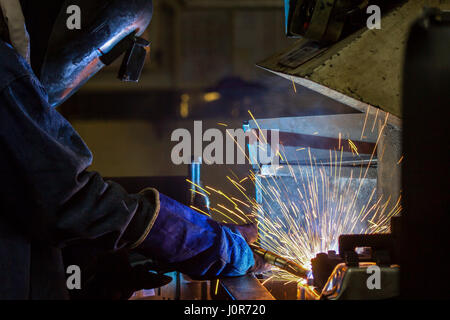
[280, 262]
[381, 248]
[74, 56]
[320, 20]
[342, 73]
[322, 267]
[352, 283]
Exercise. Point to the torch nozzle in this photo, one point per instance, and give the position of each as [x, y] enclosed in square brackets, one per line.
[280, 262]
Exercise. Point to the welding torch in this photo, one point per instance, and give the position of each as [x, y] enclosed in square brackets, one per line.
[280, 262]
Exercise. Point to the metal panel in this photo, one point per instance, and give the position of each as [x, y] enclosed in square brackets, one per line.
[314, 169]
[320, 134]
[245, 288]
[364, 69]
[283, 182]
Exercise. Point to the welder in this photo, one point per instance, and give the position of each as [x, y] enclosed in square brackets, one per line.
[48, 198]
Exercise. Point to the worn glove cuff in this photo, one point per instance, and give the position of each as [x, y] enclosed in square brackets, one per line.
[148, 220]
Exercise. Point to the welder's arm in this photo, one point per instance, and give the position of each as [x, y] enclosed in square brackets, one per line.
[47, 192]
[195, 244]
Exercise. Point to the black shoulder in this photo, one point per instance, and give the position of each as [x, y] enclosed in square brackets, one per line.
[12, 65]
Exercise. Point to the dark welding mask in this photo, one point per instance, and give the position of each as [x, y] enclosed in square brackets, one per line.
[108, 29]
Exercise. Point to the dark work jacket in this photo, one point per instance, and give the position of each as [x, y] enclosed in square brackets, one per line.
[47, 198]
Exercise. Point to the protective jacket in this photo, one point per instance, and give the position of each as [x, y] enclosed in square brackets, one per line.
[47, 197]
[49, 200]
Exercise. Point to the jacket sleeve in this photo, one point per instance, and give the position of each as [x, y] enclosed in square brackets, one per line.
[47, 192]
[195, 244]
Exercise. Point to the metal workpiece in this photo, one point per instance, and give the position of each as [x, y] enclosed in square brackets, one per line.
[280, 262]
[294, 177]
[311, 168]
[247, 287]
[353, 283]
[282, 290]
[321, 20]
[390, 163]
[322, 266]
[317, 135]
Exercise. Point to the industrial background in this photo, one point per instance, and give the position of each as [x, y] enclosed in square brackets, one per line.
[197, 47]
[216, 60]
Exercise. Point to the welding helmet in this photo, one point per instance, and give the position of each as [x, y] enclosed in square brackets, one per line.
[65, 56]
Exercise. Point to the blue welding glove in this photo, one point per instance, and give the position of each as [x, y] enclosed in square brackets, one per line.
[194, 244]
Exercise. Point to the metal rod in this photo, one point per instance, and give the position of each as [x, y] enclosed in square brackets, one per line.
[280, 262]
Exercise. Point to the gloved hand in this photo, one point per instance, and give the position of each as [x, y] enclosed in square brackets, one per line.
[250, 234]
[111, 277]
[195, 244]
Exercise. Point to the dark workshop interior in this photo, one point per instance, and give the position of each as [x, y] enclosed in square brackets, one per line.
[346, 95]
